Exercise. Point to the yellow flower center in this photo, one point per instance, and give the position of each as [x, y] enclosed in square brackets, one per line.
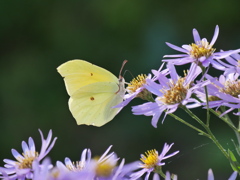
[104, 169]
[238, 63]
[201, 49]
[27, 160]
[213, 98]
[175, 94]
[150, 159]
[232, 88]
[75, 166]
[136, 83]
[55, 172]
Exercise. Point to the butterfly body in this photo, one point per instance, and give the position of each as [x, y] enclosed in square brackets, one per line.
[93, 92]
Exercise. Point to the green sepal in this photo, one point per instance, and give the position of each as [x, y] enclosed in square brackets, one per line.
[146, 95]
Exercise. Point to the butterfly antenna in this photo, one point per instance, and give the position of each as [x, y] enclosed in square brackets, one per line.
[123, 64]
[128, 72]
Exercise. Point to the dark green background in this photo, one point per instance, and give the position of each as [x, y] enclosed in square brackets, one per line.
[37, 36]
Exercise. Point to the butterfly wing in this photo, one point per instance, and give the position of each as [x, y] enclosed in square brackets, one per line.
[93, 92]
[92, 104]
[79, 73]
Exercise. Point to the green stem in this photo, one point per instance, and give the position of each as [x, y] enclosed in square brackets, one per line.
[158, 170]
[188, 124]
[226, 119]
[206, 93]
[213, 138]
[209, 132]
[238, 134]
[194, 117]
[222, 118]
[236, 130]
[208, 114]
[238, 121]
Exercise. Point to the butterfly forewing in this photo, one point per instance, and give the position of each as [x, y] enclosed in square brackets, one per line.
[79, 73]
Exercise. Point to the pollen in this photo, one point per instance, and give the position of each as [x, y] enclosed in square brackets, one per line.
[238, 63]
[136, 83]
[27, 160]
[150, 159]
[175, 93]
[75, 166]
[200, 49]
[104, 169]
[232, 88]
[213, 98]
[55, 172]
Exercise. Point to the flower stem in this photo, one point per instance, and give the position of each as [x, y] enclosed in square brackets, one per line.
[209, 132]
[204, 70]
[226, 119]
[188, 124]
[158, 170]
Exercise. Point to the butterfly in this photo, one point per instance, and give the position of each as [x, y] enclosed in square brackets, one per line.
[93, 92]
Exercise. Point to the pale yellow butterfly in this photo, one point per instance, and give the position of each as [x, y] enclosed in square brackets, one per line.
[93, 92]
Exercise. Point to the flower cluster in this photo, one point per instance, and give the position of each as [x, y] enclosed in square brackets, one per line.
[166, 91]
[32, 165]
[39, 167]
[172, 91]
[22, 167]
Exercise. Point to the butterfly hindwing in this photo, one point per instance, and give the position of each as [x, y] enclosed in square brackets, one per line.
[92, 104]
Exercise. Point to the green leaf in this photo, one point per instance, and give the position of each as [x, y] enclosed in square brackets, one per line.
[233, 161]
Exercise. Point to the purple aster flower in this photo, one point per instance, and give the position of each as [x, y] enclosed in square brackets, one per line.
[41, 171]
[224, 91]
[78, 165]
[152, 162]
[57, 173]
[168, 176]
[73, 170]
[201, 52]
[136, 87]
[60, 174]
[69, 171]
[211, 177]
[232, 65]
[22, 168]
[4, 174]
[156, 177]
[105, 168]
[171, 93]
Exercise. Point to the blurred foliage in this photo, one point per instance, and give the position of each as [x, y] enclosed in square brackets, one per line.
[37, 36]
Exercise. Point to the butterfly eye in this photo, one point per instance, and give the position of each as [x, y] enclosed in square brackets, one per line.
[120, 79]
